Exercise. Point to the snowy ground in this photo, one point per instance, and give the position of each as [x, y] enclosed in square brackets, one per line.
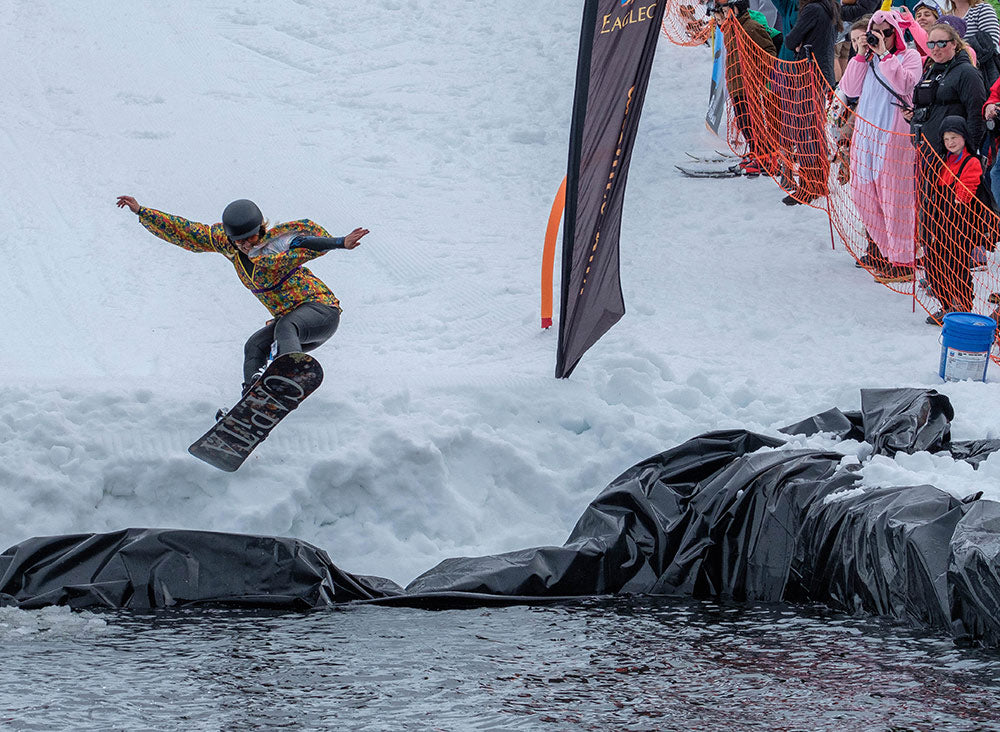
[440, 429]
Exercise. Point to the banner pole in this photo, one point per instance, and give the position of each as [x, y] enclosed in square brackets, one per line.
[549, 253]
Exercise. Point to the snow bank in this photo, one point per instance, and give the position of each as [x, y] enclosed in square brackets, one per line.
[440, 430]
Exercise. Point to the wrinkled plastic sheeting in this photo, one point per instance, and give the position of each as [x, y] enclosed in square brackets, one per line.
[141, 569]
[723, 516]
[906, 420]
[727, 515]
[712, 517]
[898, 420]
[892, 420]
[844, 425]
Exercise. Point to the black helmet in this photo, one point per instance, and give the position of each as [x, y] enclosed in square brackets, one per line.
[242, 219]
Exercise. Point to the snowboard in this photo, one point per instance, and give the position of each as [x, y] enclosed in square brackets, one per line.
[286, 382]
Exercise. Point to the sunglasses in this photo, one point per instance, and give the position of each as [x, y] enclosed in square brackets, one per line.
[930, 4]
[937, 44]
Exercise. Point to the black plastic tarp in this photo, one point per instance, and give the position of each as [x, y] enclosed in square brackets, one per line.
[729, 515]
[141, 569]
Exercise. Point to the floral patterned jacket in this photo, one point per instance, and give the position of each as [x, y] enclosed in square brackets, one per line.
[278, 280]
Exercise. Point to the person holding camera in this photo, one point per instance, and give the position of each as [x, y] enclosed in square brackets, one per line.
[882, 76]
[990, 113]
[950, 86]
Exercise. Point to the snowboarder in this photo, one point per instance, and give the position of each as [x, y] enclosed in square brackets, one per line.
[268, 262]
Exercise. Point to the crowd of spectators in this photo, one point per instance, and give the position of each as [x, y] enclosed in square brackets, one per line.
[923, 81]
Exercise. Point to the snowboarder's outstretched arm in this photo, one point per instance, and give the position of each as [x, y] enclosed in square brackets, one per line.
[326, 243]
[190, 235]
[304, 249]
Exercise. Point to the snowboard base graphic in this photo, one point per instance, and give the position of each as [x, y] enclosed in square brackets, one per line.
[283, 386]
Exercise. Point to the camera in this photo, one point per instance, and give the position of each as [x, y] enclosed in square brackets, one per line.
[872, 38]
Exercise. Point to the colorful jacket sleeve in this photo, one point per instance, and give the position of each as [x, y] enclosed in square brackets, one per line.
[190, 235]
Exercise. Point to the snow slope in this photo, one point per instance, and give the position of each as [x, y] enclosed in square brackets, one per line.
[439, 430]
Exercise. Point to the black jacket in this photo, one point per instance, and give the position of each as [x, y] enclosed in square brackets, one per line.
[960, 91]
[861, 8]
[987, 58]
[814, 28]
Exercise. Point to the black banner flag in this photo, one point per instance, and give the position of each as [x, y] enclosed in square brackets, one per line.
[617, 43]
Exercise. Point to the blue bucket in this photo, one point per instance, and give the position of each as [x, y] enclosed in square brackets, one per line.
[966, 339]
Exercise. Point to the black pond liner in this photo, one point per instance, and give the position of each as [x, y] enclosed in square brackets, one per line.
[715, 517]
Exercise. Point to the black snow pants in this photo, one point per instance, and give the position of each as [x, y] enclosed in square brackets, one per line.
[306, 327]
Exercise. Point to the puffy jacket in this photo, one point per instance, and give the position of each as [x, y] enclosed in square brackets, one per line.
[971, 173]
[861, 8]
[960, 91]
[278, 280]
[788, 12]
[814, 28]
[734, 70]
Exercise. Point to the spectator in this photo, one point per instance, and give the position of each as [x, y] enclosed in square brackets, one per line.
[811, 38]
[959, 25]
[882, 158]
[950, 85]
[978, 15]
[734, 72]
[814, 34]
[842, 53]
[990, 110]
[788, 15]
[926, 13]
[948, 249]
[844, 122]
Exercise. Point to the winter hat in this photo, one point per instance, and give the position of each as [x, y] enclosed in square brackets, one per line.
[954, 123]
[955, 22]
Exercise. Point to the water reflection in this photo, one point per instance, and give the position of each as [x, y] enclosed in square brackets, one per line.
[600, 664]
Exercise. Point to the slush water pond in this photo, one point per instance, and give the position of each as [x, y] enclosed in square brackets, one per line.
[628, 664]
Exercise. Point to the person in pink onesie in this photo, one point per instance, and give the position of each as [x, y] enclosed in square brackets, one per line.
[883, 158]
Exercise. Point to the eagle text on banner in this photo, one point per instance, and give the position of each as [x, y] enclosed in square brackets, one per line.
[617, 43]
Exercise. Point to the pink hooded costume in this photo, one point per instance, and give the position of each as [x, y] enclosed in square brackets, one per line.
[883, 158]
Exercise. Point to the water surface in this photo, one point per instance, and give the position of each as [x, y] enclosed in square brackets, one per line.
[597, 665]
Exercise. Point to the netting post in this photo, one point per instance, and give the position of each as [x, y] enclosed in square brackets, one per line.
[829, 219]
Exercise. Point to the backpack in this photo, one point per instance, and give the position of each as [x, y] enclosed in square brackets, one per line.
[987, 238]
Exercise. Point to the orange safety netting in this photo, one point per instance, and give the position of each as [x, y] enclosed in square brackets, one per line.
[898, 210]
[687, 22]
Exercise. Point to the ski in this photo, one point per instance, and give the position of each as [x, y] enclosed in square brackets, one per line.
[710, 158]
[727, 172]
